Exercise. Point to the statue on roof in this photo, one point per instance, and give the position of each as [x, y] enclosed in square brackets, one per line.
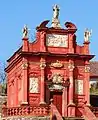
[25, 31]
[87, 35]
[55, 20]
[55, 12]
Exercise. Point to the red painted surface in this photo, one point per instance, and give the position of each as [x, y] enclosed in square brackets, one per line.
[37, 60]
[57, 100]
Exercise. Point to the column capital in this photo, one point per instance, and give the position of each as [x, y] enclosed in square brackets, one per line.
[71, 66]
[87, 69]
[71, 104]
[42, 65]
[24, 65]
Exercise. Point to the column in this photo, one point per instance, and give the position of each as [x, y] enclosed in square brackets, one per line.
[71, 87]
[42, 82]
[86, 85]
[71, 105]
[24, 81]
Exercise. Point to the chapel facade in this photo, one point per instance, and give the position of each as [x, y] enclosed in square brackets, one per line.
[50, 76]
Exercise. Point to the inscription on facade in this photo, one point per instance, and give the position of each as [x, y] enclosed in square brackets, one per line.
[57, 40]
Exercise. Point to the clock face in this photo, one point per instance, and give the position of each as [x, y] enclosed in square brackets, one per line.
[57, 40]
[33, 87]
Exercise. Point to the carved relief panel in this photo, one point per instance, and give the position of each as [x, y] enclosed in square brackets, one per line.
[79, 87]
[57, 40]
[34, 99]
[33, 85]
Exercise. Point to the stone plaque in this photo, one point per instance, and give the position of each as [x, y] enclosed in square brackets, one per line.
[33, 86]
[57, 40]
[79, 87]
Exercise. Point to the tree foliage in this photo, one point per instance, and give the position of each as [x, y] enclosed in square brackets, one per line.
[3, 84]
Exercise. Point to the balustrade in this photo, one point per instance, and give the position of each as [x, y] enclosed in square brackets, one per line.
[26, 110]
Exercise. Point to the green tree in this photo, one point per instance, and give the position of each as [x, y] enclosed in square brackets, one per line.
[3, 85]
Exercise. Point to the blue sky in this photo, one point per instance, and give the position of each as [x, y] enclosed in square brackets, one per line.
[15, 13]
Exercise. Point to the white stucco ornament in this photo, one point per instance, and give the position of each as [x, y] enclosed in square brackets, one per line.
[57, 64]
[55, 40]
[57, 78]
[87, 69]
[33, 86]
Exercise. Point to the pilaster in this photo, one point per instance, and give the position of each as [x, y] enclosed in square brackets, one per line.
[16, 91]
[42, 82]
[71, 48]
[71, 105]
[86, 85]
[24, 81]
[64, 102]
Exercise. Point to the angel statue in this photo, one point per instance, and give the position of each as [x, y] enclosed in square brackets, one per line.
[56, 12]
[87, 35]
[25, 31]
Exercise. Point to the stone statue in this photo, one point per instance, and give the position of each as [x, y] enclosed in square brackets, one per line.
[87, 35]
[55, 12]
[55, 20]
[25, 31]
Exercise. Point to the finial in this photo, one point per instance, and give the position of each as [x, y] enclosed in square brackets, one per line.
[25, 31]
[87, 35]
[55, 20]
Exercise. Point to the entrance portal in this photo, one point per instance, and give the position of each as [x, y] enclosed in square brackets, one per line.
[57, 100]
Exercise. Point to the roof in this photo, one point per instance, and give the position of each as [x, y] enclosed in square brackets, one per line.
[94, 68]
[20, 49]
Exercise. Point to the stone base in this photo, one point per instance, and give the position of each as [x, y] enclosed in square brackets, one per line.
[73, 118]
[24, 103]
[71, 105]
[42, 103]
[56, 23]
[27, 118]
[71, 110]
